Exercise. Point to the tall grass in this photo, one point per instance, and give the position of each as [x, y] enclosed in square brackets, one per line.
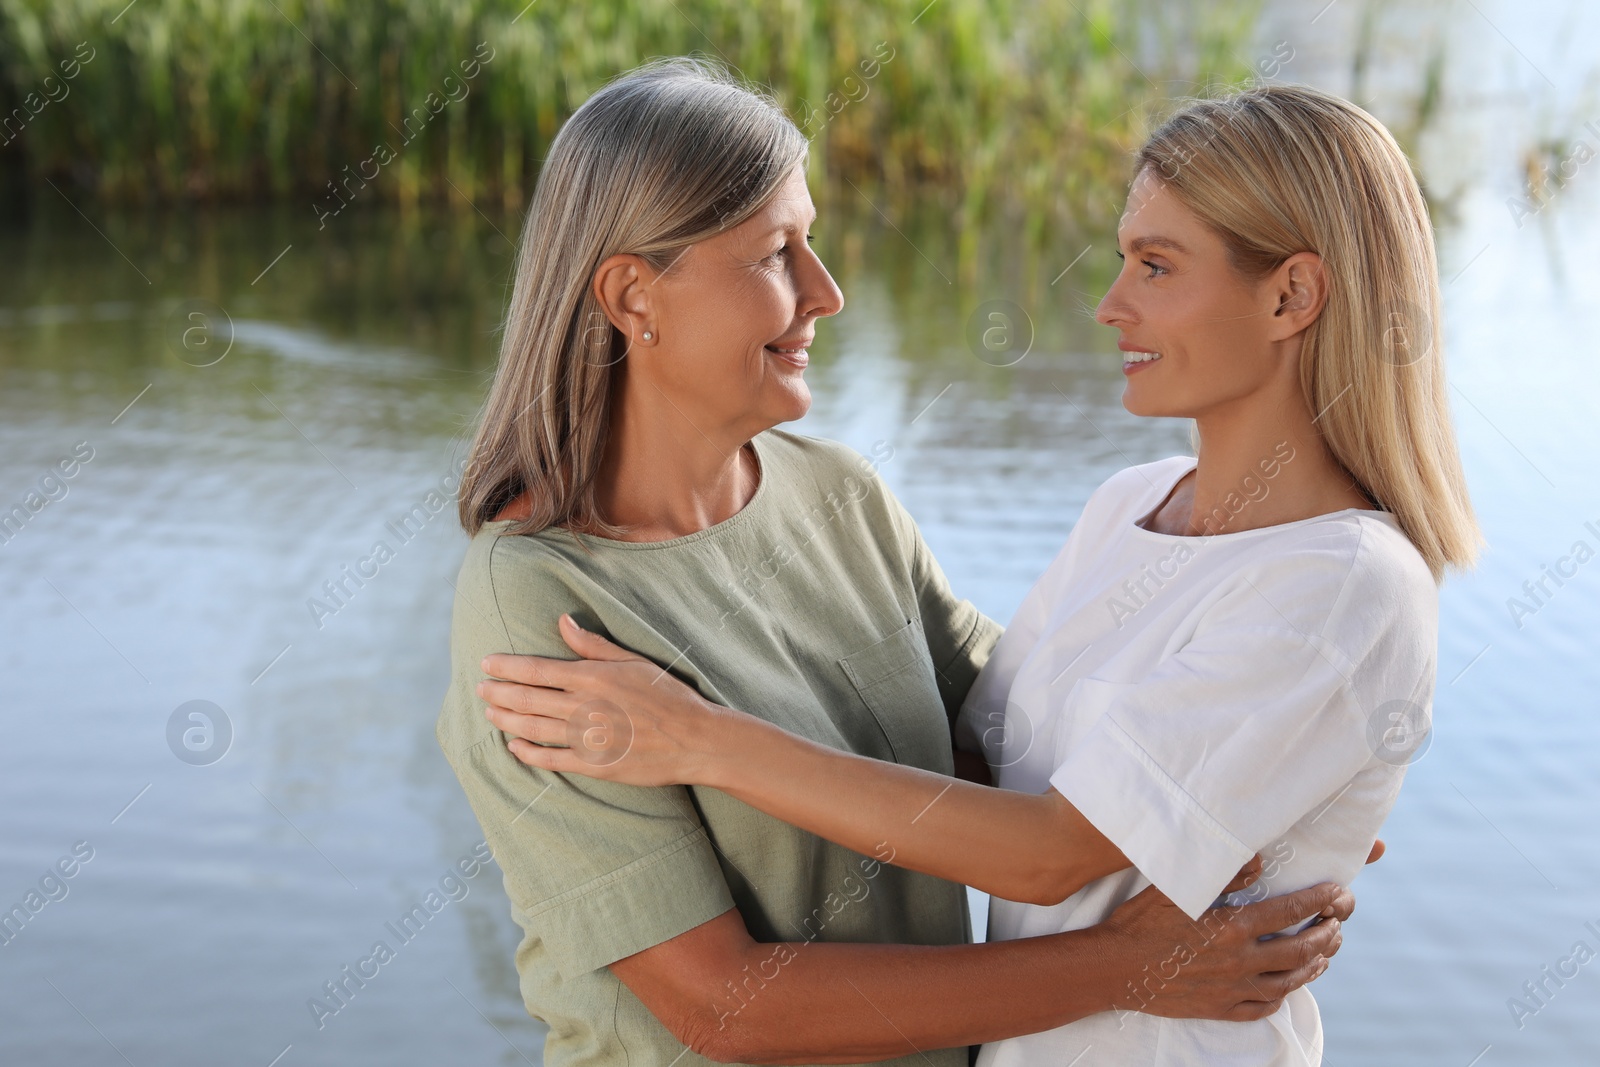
[1020, 106]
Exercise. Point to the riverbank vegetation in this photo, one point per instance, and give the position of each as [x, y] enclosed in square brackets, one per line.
[990, 106]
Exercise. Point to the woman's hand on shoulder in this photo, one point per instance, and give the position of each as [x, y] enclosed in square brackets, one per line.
[612, 714]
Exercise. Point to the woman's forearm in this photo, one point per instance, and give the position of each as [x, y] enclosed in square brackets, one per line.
[629, 721]
[837, 1003]
[1034, 848]
[736, 1000]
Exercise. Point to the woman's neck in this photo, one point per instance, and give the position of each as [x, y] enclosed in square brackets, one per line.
[663, 476]
[1261, 466]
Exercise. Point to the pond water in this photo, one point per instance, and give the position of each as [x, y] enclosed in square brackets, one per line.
[211, 898]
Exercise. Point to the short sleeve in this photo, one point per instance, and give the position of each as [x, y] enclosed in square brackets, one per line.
[960, 637]
[1258, 720]
[600, 870]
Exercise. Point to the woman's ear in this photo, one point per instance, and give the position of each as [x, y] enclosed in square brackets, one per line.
[622, 285]
[1300, 290]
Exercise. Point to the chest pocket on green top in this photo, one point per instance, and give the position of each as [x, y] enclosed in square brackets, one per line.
[895, 680]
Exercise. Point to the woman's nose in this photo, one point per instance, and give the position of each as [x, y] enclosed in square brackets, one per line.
[1112, 309]
[819, 293]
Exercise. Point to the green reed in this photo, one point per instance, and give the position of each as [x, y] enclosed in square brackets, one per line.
[1013, 109]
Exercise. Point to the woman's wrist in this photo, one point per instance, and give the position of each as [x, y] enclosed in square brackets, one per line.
[733, 747]
[721, 748]
[1123, 957]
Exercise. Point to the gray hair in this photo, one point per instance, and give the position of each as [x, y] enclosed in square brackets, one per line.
[664, 156]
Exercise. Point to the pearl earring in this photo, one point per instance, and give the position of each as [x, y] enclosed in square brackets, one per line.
[647, 335]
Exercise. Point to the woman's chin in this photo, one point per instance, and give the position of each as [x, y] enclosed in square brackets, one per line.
[793, 402]
[1139, 402]
[1136, 405]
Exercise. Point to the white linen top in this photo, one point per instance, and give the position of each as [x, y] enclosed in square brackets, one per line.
[1201, 699]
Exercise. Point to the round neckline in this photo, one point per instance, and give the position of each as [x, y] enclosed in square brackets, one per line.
[1386, 517]
[757, 499]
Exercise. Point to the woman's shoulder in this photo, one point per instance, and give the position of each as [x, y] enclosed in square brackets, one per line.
[817, 472]
[1364, 550]
[1385, 564]
[497, 563]
[1352, 578]
[807, 457]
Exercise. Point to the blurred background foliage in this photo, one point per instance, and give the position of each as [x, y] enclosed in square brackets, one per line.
[992, 108]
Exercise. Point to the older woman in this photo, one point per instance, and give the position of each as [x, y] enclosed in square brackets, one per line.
[627, 471]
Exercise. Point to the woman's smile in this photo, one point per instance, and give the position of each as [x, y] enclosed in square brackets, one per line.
[791, 352]
[1134, 359]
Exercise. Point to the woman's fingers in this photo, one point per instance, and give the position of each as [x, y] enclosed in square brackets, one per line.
[1268, 990]
[598, 741]
[1221, 969]
[533, 670]
[529, 699]
[549, 673]
[592, 740]
[1378, 849]
[1280, 913]
[548, 758]
[1343, 906]
[615, 715]
[529, 727]
[592, 645]
[1280, 956]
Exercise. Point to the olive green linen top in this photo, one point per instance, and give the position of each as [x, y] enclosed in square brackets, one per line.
[817, 607]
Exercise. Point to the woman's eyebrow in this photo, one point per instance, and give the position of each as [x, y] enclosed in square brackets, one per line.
[785, 228]
[1139, 244]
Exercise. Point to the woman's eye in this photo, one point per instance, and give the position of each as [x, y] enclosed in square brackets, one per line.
[784, 252]
[1155, 268]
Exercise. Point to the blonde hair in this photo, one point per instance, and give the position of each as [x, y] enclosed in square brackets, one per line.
[660, 158]
[1277, 170]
